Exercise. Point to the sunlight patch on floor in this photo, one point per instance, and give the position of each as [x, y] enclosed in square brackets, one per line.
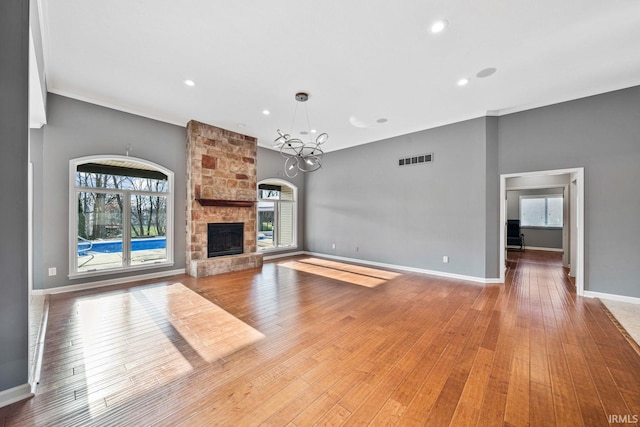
[211, 331]
[179, 328]
[98, 319]
[355, 274]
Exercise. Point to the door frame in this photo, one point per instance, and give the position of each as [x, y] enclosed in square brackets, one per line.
[578, 173]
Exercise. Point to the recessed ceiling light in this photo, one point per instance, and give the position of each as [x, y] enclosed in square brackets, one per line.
[438, 26]
[313, 131]
[463, 82]
[189, 82]
[266, 112]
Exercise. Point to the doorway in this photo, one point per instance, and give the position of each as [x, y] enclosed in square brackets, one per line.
[575, 200]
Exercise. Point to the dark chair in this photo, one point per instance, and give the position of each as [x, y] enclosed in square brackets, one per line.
[514, 236]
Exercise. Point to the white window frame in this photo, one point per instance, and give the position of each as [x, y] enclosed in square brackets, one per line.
[545, 197]
[294, 231]
[73, 216]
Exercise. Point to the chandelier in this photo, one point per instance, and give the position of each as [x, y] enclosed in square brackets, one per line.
[300, 155]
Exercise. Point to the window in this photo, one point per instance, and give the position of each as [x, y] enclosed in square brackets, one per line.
[120, 215]
[541, 211]
[276, 215]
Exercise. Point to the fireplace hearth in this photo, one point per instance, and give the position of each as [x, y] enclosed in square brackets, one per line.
[226, 238]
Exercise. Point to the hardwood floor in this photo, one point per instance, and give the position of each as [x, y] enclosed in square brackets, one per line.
[306, 344]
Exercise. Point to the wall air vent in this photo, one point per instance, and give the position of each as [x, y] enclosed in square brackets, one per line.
[415, 160]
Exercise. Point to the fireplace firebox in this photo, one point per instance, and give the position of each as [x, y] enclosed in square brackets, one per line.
[225, 238]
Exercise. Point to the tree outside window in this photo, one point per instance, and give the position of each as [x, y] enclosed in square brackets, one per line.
[276, 215]
[121, 217]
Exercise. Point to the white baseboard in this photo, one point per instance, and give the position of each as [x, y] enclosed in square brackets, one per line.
[537, 248]
[109, 282]
[15, 394]
[405, 268]
[613, 297]
[283, 255]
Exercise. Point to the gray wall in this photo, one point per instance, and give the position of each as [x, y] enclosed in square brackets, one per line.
[14, 142]
[271, 165]
[602, 134]
[411, 216]
[36, 141]
[77, 129]
[492, 200]
[536, 237]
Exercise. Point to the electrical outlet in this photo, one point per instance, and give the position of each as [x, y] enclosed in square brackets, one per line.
[52, 271]
[445, 258]
[333, 246]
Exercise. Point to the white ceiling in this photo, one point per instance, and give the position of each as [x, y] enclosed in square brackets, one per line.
[360, 60]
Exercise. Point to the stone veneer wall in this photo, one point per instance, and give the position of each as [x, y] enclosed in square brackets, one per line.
[221, 166]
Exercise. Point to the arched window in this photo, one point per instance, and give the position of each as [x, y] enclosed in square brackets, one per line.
[277, 211]
[121, 215]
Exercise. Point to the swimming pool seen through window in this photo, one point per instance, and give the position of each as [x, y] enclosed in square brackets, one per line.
[121, 215]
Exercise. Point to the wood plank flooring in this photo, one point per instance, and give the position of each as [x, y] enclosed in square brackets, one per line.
[287, 346]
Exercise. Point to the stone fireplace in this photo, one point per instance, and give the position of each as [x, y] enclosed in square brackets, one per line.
[221, 189]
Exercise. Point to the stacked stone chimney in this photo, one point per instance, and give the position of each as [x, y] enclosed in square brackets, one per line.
[221, 187]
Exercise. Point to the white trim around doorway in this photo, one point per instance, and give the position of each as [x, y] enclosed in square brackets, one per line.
[578, 173]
